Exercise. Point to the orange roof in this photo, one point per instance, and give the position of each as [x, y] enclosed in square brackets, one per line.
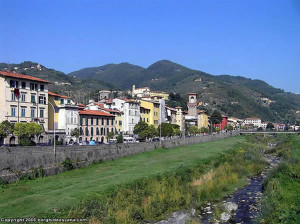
[62, 96]
[20, 76]
[95, 113]
[110, 110]
[146, 87]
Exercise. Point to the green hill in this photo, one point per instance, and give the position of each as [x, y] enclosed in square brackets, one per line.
[233, 95]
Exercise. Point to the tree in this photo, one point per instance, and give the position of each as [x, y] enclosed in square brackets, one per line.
[25, 131]
[75, 133]
[193, 130]
[216, 117]
[120, 139]
[139, 127]
[270, 126]
[110, 135]
[149, 132]
[229, 128]
[166, 129]
[6, 128]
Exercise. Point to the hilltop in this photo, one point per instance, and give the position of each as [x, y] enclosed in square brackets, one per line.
[234, 95]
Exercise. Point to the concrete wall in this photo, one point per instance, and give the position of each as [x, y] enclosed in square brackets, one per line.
[17, 162]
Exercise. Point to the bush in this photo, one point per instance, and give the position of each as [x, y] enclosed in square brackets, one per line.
[68, 164]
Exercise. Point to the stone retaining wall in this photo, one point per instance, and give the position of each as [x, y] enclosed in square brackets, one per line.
[17, 162]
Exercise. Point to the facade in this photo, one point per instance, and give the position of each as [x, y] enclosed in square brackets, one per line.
[131, 113]
[192, 105]
[180, 120]
[202, 119]
[223, 124]
[252, 121]
[161, 94]
[140, 92]
[23, 98]
[154, 112]
[104, 94]
[145, 114]
[94, 125]
[65, 117]
[118, 119]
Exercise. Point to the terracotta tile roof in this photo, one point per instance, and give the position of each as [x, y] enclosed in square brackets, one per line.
[20, 76]
[110, 110]
[62, 96]
[94, 112]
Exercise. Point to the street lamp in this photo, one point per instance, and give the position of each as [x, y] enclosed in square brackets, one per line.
[54, 149]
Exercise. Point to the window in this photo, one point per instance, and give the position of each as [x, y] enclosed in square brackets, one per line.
[31, 86]
[41, 99]
[92, 121]
[17, 84]
[86, 121]
[112, 122]
[23, 112]
[102, 121]
[61, 101]
[69, 101]
[80, 120]
[23, 97]
[107, 121]
[80, 131]
[32, 114]
[107, 130]
[97, 131]
[32, 98]
[13, 96]
[112, 130]
[13, 111]
[23, 85]
[86, 131]
[42, 88]
[12, 84]
[120, 122]
[36, 87]
[101, 131]
[97, 121]
[92, 131]
[56, 98]
[41, 113]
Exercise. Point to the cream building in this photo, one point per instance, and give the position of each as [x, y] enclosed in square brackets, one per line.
[23, 98]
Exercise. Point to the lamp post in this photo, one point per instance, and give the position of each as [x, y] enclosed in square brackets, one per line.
[54, 149]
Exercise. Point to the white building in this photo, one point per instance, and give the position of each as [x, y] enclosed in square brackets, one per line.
[252, 121]
[23, 98]
[140, 92]
[131, 113]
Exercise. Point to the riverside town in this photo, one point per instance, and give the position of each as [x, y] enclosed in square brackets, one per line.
[150, 112]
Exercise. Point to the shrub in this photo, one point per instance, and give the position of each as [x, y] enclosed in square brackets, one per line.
[67, 163]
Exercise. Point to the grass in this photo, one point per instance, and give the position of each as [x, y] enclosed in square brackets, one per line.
[281, 202]
[154, 197]
[35, 198]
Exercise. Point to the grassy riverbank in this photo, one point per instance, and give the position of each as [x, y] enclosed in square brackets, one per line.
[281, 202]
[53, 195]
[152, 198]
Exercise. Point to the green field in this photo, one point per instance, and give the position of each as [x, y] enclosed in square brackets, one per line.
[35, 197]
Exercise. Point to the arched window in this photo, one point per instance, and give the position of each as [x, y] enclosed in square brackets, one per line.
[101, 131]
[97, 131]
[80, 131]
[107, 130]
[86, 131]
[92, 131]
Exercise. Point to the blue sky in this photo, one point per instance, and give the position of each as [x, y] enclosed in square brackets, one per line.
[258, 39]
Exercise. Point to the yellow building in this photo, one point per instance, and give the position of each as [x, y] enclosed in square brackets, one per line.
[53, 99]
[164, 95]
[145, 114]
[118, 119]
[202, 119]
[150, 111]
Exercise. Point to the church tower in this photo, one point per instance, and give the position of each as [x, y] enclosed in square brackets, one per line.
[192, 105]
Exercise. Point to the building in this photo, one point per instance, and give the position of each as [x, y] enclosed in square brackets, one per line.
[161, 94]
[131, 113]
[65, 117]
[170, 115]
[145, 114]
[104, 94]
[153, 118]
[223, 124]
[118, 119]
[202, 119]
[192, 105]
[180, 120]
[252, 121]
[95, 125]
[23, 98]
[140, 92]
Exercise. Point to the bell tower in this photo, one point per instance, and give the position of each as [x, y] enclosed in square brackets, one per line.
[192, 105]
